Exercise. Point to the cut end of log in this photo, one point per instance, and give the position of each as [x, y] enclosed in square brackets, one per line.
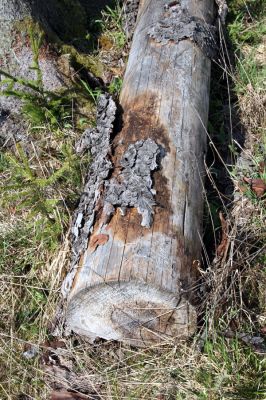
[134, 312]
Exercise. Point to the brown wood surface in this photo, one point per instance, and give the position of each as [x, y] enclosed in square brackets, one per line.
[137, 286]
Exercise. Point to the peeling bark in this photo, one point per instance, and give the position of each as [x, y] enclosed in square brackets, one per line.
[98, 142]
[177, 24]
[130, 13]
[133, 186]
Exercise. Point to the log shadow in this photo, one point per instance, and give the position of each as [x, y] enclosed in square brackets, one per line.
[226, 137]
[71, 20]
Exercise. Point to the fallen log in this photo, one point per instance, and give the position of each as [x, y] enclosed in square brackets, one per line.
[137, 232]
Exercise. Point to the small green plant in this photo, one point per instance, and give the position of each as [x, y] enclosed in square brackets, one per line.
[42, 193]
[115, 86]
[111, 25]
[92, 94]
[40, 106]
[240, 32]
[236, 364]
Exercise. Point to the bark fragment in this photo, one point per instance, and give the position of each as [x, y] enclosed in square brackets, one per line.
[177, 24]
[130, 13]
[98, 141]
[61, 374]
[133, 186]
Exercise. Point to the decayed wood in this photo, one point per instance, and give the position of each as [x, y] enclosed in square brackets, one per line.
[134, 281]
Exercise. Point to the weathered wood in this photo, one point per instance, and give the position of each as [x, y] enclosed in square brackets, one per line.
[134, 282]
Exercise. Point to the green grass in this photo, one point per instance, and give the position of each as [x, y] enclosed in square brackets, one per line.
[247, 33]
[237, 283]
[111, 25]
[41, 189]
[41, 182]
[238, 365]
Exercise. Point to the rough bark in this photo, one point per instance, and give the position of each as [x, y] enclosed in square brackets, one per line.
[134, 281]
[130, 13]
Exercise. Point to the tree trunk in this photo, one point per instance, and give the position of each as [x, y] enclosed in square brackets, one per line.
[63, 22]
[135, 280]
[16, 55]
[16, 58]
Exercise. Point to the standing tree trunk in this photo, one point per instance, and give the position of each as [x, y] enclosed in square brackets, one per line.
[63, 23]
[16, 58]
[134, 281]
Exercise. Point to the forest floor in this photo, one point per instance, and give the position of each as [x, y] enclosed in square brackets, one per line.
[39, 191]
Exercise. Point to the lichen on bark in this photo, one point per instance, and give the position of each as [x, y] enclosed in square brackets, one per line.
[177, 24]
[97, 140]
[133, 185]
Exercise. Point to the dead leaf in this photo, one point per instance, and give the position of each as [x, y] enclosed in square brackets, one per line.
[262, 167]
[116, 71]
[257, 185]
[247, 180]
[160, 396]
[98, 240]
[221, 249]
[263, 330]
[65, 395]
[49, 350]
[54, 344]
[62, 378]
[12, 210]
[105, 42]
